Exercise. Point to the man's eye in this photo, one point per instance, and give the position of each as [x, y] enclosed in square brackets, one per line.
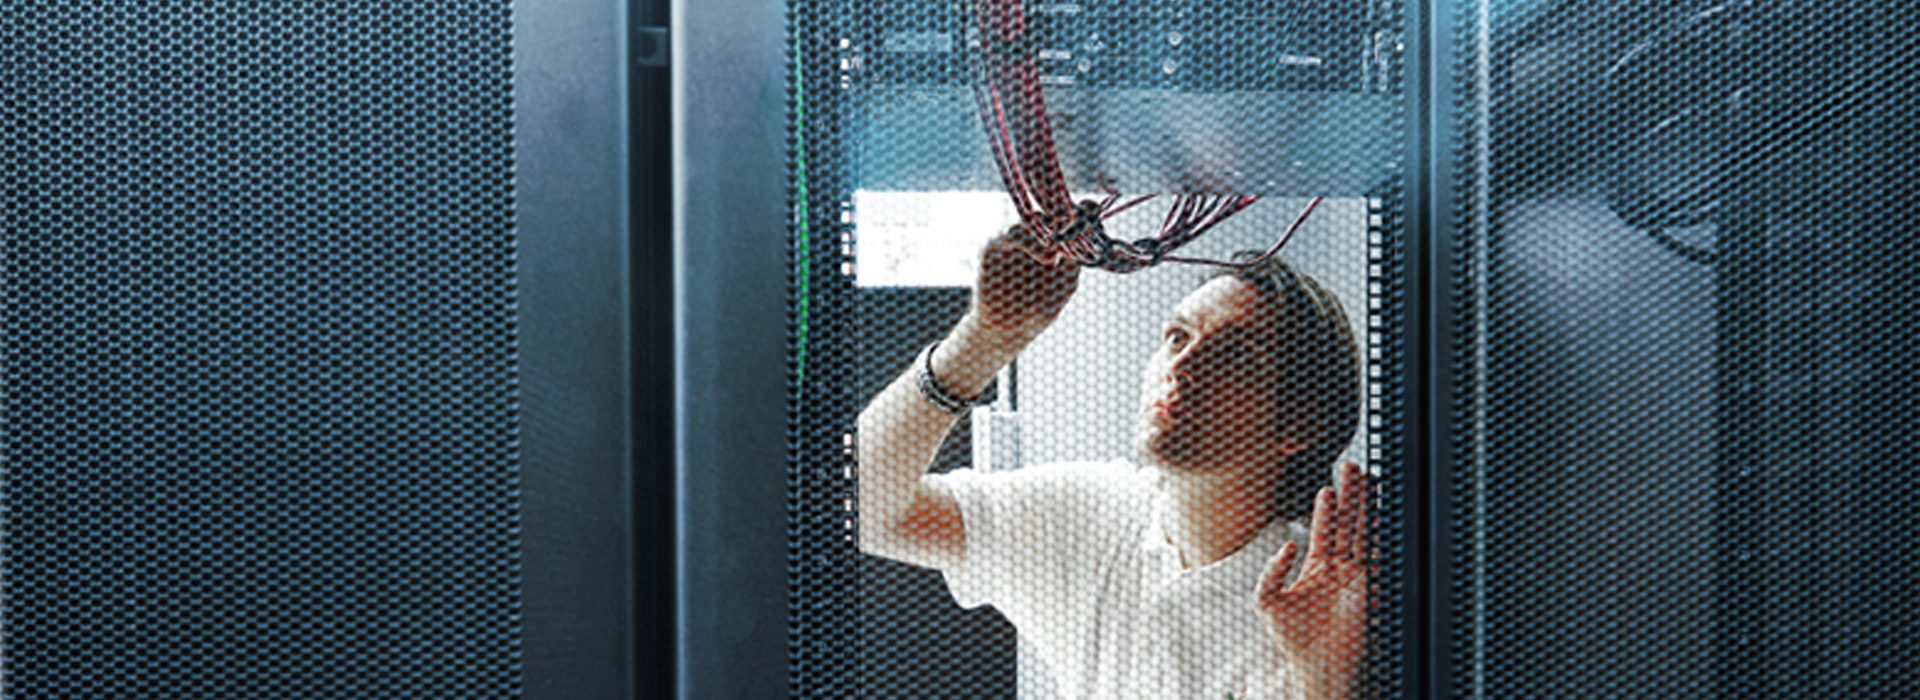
[1176, 337]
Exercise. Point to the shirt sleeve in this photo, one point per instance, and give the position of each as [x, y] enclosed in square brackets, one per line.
[1035, 536]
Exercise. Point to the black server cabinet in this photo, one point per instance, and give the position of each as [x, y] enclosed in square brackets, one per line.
[1674, 292]
[346, 351]
[1317, 98]
[315, 350]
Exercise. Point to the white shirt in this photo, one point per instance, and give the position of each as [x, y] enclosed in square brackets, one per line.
[1076, 556]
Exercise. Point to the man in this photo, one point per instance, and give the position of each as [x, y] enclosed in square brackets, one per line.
[1170, 580]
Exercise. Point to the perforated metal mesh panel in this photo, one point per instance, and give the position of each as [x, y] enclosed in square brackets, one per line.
[259, 427]
[1683, 322]
[895, 193]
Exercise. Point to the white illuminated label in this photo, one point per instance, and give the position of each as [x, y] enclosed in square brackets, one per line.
[924, 239]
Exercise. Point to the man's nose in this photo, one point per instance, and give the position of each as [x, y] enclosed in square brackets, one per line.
[1178, 377]
[1180, 369]
[1199, 363]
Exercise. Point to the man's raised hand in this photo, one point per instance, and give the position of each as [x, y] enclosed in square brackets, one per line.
[1021, 286]
[1319, 622]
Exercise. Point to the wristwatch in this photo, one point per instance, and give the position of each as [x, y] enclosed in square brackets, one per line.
[943, 399]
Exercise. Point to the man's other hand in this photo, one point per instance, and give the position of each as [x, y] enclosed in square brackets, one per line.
[1320, 621]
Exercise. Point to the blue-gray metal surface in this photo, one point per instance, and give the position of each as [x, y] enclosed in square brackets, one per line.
[262, 421]
[730, 354]
[571, 125]
[315, 378]
[1678, 371]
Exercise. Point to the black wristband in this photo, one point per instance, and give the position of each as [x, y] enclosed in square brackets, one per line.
[943, 399]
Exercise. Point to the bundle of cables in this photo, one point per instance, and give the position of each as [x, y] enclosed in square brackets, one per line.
[1013, 110]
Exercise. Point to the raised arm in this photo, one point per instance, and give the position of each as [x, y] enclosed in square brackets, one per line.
[904, 515]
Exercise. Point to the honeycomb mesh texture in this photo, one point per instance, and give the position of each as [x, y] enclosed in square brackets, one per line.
[895, 192]
[1682, 362]
[260, 419]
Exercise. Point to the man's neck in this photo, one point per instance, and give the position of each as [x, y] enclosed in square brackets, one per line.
[1211, 515]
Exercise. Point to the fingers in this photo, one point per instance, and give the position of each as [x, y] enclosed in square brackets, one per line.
[1030, 245]
[1008, 240]
[1018, 238]
[1320, 543]
[1353, 490]
[1014, 252]
[1343, 514]
[1021, 286]
[1362, 547]
[1274, 579]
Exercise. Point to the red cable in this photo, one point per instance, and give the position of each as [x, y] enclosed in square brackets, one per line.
[1027, 156]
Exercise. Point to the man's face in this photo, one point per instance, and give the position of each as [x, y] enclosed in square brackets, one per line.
[1207, 397]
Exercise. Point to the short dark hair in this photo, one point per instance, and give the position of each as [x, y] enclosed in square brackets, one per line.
[1319, 367]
